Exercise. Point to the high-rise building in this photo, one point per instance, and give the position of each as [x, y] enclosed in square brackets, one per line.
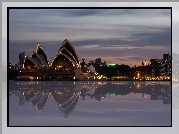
[155, 65]
[16, 67]
[161, 67]
[166, 57]
[167, 62]
[98, 61]
[21, 60]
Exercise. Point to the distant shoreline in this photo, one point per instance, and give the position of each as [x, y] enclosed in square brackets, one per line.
[88, 80]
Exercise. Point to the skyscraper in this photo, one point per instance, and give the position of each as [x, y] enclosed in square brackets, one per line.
[21, 59]
[98, 61]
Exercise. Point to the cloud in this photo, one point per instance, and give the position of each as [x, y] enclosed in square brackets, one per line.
[82, 12]
[111, 32]
[124, 58]
[162, 38]
[91, 49]
[101, 12]
[113, 12]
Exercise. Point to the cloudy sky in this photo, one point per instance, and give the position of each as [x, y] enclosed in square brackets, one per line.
[121, 36]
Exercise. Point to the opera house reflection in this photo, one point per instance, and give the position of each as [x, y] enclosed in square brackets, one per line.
[66, 94]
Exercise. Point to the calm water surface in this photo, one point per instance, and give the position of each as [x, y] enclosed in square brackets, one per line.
[90, 103]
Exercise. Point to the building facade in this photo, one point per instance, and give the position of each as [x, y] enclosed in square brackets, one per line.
[161, 68]
[37, 66]
[21, 59]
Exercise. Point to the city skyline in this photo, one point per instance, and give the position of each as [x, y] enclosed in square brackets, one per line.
[132, 35]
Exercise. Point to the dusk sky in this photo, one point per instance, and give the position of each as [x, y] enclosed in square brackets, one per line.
[121, 36]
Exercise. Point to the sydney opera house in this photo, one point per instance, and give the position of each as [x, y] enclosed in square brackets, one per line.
[65, 65]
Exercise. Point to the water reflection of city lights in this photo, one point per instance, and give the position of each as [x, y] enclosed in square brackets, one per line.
[61, 91]
[138, 85]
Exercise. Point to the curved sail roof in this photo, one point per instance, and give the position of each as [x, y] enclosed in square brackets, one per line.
[40, 59]
[43, 60]
[35, 55]
[42, 54]
[68, 57]
[65, 51]
[70, 48]
[69, 52]
[35, 61]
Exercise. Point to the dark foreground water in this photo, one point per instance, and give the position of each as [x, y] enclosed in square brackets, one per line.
[90, 103]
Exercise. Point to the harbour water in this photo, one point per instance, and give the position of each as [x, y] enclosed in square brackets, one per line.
[90, 103]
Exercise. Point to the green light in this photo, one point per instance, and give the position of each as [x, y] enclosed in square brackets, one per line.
[112, 94]
[102, 61]
[112, 65]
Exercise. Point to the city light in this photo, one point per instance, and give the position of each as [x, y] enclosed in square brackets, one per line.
[112, 65]
[113, 94]
[159, 69]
